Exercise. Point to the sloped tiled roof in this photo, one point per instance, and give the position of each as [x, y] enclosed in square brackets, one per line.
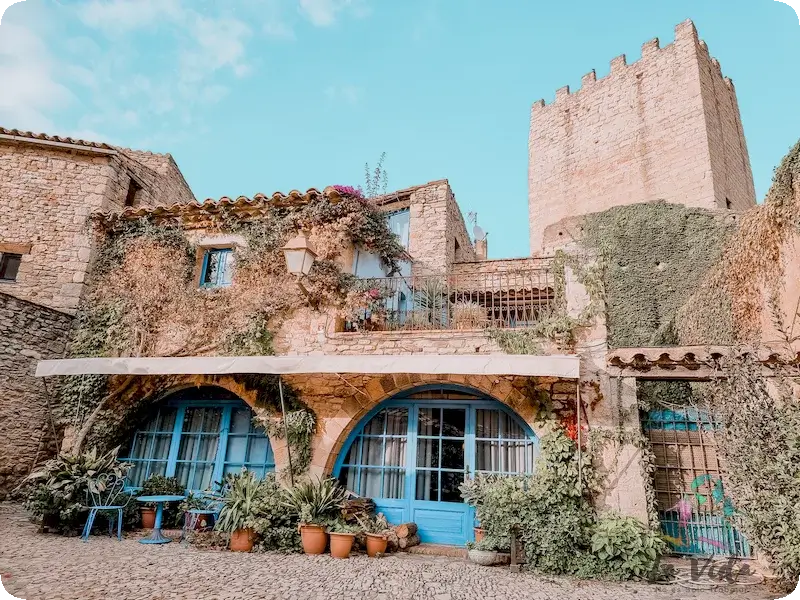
[53, 138]
[242, 205]
[693, 357]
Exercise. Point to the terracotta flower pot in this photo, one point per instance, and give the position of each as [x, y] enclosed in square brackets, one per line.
[148, 518]
[478, 533]
[314, 539]
[376, 544]
[341, 544]
[242, 540]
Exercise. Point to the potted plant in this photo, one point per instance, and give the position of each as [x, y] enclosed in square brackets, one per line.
[342, 537]
[315, 503]
[193, 502]
[375, 531]
[239, 510]
[473, 491]
[487, 553]
[159, 485]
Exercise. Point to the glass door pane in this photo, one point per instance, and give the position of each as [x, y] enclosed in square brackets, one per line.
[441, 464]
[375, 463]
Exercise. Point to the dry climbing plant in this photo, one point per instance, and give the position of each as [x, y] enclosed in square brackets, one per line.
[144, 299]
[555, 324]
[752, 262]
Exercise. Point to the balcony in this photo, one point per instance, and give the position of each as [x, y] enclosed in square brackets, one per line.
[464, 300]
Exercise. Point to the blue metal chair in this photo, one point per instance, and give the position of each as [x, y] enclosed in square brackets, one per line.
[213, 506]
[104, 491]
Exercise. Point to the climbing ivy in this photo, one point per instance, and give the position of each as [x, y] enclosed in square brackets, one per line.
[555, 324]
[654, 256]
[144, 300]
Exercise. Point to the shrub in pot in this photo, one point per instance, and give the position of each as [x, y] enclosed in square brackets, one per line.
[315, 503]
[193, 502]
[342, 537]
[56, 494]
[375, 530]
[159, 485]
[487, 553]
[474, 491]
[275, 526]
[239, 510]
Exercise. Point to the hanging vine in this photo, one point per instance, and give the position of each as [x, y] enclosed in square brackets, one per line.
[144, 298]
[555, 324]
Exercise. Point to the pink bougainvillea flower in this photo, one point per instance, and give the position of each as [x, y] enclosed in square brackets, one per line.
[349, 190]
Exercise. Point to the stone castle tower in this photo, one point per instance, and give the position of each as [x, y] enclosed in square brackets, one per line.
[664, 127]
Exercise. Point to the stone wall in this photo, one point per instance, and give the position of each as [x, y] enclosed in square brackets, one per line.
[438, 235]
[309, 332]
[46, 196]
[28, 333]
[664, 127]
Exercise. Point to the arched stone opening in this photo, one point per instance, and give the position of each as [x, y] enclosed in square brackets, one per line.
[197, 434]
[410, 452]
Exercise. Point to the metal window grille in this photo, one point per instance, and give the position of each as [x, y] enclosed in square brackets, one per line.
[694, 510]
[465, 301]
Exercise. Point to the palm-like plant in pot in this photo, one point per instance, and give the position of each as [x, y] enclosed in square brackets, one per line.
[239, 509]
[315, 503]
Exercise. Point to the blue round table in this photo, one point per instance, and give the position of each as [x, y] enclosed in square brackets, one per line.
[157, 537]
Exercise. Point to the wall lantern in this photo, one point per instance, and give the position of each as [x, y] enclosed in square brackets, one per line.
[299, 255]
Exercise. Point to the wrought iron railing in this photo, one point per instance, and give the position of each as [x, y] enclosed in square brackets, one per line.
[453, 301]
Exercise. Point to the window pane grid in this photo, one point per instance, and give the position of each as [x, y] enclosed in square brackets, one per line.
[199, 456]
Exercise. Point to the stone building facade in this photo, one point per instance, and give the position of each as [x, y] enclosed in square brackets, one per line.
[48, 188]
[666, 127]
[28, 333]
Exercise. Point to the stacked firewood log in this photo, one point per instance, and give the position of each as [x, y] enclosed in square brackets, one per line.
[355, 508]
[402, 537]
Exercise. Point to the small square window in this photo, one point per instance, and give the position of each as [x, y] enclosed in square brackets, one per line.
[217, 268]
[9, 266]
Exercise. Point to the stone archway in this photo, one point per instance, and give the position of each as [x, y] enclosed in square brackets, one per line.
[340, 402]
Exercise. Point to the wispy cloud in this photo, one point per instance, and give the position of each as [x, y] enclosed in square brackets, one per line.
[349, 94]
[28, 72]
[324, 13]
[198, 49]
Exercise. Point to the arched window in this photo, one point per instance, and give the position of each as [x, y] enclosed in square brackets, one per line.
[411, 454]
[198, 436]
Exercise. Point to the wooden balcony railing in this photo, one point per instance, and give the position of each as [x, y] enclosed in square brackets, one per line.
[463, 301]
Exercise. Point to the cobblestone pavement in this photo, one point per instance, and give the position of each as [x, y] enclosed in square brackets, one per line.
[40, 566]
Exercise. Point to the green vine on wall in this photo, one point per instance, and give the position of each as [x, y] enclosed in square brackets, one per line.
[654, 256]
[144, 299]
[555, 324]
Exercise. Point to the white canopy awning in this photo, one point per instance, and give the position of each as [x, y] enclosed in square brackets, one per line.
[483, 364]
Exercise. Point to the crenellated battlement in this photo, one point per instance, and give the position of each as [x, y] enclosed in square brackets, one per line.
[665, 127]
[686, 40]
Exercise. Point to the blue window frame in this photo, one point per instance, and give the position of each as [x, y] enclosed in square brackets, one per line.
[411, 453]
[198, 442]
[217, 268]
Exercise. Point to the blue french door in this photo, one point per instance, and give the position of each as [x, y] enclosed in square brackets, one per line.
[411, 457]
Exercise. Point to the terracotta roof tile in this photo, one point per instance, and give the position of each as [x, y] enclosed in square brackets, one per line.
[645, 359]
[54, 138]
[242, 203]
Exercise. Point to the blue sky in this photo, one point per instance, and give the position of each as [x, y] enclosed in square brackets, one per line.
[272, 95]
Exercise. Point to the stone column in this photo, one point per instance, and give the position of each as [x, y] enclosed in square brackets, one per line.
[625, 484]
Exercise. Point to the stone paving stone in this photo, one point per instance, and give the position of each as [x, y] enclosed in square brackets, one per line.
[49, 567]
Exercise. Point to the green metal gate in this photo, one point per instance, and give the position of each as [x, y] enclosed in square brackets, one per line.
[692, 505]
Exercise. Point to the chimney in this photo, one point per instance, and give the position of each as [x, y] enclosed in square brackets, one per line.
[481, 249]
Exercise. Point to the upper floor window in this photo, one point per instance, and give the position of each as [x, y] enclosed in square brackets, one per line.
[217, 268]
[367, 265]
[9, 266]
[400, 224]
[133, 189]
